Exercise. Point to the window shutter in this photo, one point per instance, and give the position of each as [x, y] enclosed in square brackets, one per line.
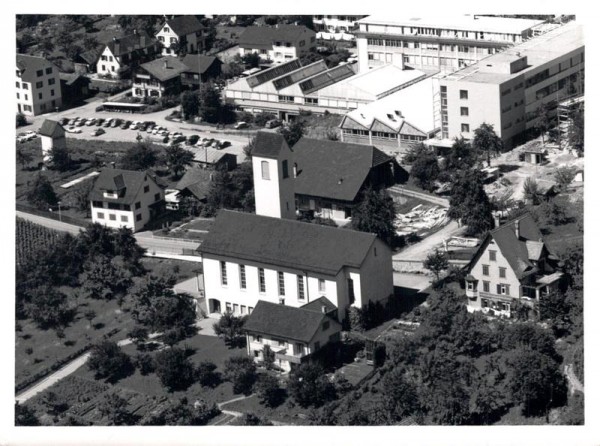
[498, 289]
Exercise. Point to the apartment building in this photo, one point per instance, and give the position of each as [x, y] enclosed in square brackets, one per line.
[444, 42]
[336, 27]
[158, 78]
[183, 34]
[278, 44]
[506, 89]
[38, 86]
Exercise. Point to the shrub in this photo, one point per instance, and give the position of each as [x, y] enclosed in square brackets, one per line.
[241, 371]
[267, 388]
[309, 386]
[144, 363]
[21, 120]
[206, 375]
[108, 361]
[230, 328]
[174, 369]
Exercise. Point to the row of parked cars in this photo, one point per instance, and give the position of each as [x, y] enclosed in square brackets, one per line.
[27, 136]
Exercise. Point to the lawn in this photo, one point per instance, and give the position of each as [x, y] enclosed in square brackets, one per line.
[287, 413]
[181, 269]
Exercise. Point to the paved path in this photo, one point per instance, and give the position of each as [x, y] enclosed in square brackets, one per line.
[419, 251]
[230, 415]
[574, 383]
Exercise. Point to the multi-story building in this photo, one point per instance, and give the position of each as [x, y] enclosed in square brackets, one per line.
[444, 42]
[290, 335]
[158, 78]
[200, 69]
[506, 89]
[38, 86]
[248, 258]
[512, 266]
[336, 27]
[183, 34]
[126, 51]
[278, 44]
[125, 198]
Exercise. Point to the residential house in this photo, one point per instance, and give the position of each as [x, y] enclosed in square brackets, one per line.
[200, 69]
[38, 86]
[249, 258]
[52, 135]
[87, 61]
[126, 52]
[329, 176]
[210, 158]
[192, 188]
[290, 335]
[158, 78]
[125, 198]
[277, 44]
[512, 266]
[75, 88]
[181, 35]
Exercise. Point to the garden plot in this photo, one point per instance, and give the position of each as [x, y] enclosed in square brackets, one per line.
[421, 219]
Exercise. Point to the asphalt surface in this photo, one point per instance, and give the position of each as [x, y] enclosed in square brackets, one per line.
[419, 251]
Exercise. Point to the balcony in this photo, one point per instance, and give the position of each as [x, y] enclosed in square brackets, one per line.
[496, 297]
[295, 359]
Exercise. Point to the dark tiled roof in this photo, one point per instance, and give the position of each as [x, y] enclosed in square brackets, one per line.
[317, 305]
[130, 43]
[196, 181]
[197, 63]
[286, 243]
[164, 68]
[283, 321]
[269, 144]
[91, 57]
[333, 169]
[184, 25]
[51, 128]
[127, 182]
[262, 37]
[30, 65]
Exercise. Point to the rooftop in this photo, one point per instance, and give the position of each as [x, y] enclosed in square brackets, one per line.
[538, 51]
[51, 128]
[208, 155]
[165, 68]
[286, 322]
[130, 43]
[263, 37]
[466, 22]
[185, 24]
[29, 65]
[199, 63]
[127, 182]
[268, 144]
[286, 243]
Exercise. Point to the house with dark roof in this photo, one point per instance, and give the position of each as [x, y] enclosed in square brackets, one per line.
[512, 266]
[87, 61]
[52, 135]
[75, 88]
[158, 78]
[125, 198]
[289, 335]
[200, 69]
[38, 85]
[329, 176]
[181, 35]
[126, 52]
[278, 44]
[249, 258]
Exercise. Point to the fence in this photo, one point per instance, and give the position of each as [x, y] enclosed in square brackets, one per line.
[52, 215]
[411, 193]
[408, 266]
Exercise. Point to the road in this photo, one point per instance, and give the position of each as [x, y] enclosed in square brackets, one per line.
[419, 251]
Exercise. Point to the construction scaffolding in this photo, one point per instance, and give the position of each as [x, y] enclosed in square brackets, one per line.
[564, 114]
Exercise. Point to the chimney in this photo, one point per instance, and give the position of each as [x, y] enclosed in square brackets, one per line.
[135, 31]
[340, 181]
[517, 233]
[166, 63]
[497, 219]
[295, 170]
[114, 39]
[323, 309]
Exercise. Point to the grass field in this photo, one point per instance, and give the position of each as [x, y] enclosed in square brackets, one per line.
[181, 269]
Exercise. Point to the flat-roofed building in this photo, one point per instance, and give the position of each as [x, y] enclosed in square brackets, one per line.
[444, 42]
[506, 89]
[336, 27]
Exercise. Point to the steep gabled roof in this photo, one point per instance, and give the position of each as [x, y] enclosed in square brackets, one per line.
[165, 68]
[198, 63]
[184, 25]
[130, 43]
[30, 65]
[286, 243]
[333, 169]
[127, 182]
[318, 304]
[51, 128]
[269, 144]
[283, 321]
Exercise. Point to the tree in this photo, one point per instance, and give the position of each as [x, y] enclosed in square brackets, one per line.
[250, 419]
[544, 119]
[109, 362]
[485, 140]
[115, 408]
[241, 371]
[268, 390]
[211, 106]
[309, 386]
[48, 307]
[142, 156]
[293, 131]
[104, 278]
[184, 414]
[375, 213]
[139, 335]
[230, 328]
[564, 175]
[400, 395]
[425, 169]
[190, 106]
[554, 212]
[60, 158]
[461, 155]
[54, 403]
[174, 369]
[251, 60]
[21, 120]
[206, 375]
[177, 158]
[531, 191]
[23, 158]
[25, 416]
[576, 130]
[41, 194]
[436, 262]
[469, 202]
[46, 46]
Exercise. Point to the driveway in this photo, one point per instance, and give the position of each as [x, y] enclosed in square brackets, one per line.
[419, 251]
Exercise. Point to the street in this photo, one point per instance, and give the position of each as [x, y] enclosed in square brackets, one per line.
[419, 251]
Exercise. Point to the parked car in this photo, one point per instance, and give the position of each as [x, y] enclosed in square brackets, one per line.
[98, 132]
[107, 123]
[224, 144]
[125, 125]
[21, 138]
[90, 122]
[272, 123]
[30, 135]
[177, 139]
[99, 121]
[80, 123]
[73, 129]
[116, 122]
[240, 125]
[208, 142]
[192, 139]
[63, 121]
[134, 127]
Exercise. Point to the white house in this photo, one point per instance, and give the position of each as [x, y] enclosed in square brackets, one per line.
[119, 53]
[336, 27]
[248, 258]
[277, 44]
[290, 334]
[38, 86]
[52, 135]
[125, 198]
[183, 30]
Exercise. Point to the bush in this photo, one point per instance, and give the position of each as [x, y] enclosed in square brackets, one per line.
[145, 364]
[241, 371]
[108, 361]
[206, 375]
[21, 120]
[230, 328]
[174, 369]
[268, 390]
[309, 386]
[249, 419]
